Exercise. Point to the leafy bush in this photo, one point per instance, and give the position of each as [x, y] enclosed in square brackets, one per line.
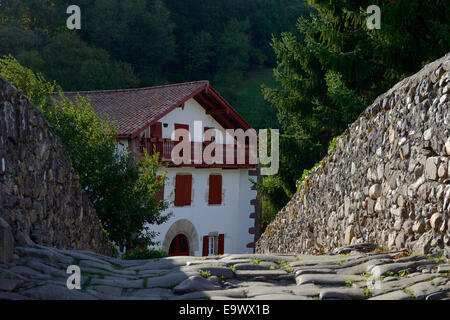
[146, 254]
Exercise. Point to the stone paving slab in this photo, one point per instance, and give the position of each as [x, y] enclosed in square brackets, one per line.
[260, 273]
[327, 279]
[39, 272]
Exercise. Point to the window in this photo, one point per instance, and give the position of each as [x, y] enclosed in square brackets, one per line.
[213, 244]
[177, 127]
[215, 189]
[156, 130]
[183, 190]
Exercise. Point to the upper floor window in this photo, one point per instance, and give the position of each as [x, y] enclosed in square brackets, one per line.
[183, 190]
[215, 189]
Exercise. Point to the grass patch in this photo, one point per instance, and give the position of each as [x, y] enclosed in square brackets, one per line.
[255, 261]
[408, 291]
[402, 274]
[205, 274]
[338, 262]
[283, 264]
[290, 270]
[368, 293]
[381, 249]
[233, 268]
[86, 283]
[349, 282]
[146, 254]
[440, 259]
[90, 274]
[316, 298]
[144, 283]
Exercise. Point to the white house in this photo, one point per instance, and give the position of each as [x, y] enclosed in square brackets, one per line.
[214, 208]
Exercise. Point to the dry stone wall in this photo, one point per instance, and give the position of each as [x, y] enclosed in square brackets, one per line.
[387, 182]
[41, 200]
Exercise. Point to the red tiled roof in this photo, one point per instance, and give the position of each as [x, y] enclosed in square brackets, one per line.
[133, 109]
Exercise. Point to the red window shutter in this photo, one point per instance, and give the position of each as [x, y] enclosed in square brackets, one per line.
[183, 190]
[188, 190]
[205, 245]
[215, 189]
[179, 191]
[160, 194]
[221, 244]
[156, 130]
[181, 126]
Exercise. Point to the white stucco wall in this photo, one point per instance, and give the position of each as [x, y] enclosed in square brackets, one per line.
[230, 218]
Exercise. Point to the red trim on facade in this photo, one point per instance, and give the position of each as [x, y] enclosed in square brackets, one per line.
[205, 246]
[221, 244]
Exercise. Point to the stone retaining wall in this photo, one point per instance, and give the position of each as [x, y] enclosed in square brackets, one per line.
[387, 182]
[40, 195]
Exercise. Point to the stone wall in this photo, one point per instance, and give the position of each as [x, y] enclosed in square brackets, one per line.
[40, 195]
[387, 182]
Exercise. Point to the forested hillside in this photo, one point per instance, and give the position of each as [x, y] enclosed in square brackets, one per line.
[138, 43]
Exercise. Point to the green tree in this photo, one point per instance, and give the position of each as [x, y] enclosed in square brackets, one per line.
[334, 66]
[121, 189]
[76, 66]
[142, 36]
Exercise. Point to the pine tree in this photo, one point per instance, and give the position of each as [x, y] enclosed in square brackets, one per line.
[334, 66]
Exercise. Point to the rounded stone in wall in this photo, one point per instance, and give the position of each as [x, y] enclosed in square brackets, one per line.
[184, 227]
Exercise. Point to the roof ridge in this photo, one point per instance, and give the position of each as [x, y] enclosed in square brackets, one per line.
[139, 89]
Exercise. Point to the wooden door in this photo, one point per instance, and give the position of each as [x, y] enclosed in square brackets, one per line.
[179, 246]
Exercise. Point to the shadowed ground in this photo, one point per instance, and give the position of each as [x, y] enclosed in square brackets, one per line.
[353, 272]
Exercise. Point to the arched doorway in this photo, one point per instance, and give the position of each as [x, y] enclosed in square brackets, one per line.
[179, 246]
[182, 227]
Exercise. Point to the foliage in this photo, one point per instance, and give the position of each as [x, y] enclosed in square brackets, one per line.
[33, 85]
[137, 254]
[205, 274]
[282, 263]
[124, 44]
[121, 189]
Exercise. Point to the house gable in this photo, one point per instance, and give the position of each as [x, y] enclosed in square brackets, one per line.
[135, 110]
